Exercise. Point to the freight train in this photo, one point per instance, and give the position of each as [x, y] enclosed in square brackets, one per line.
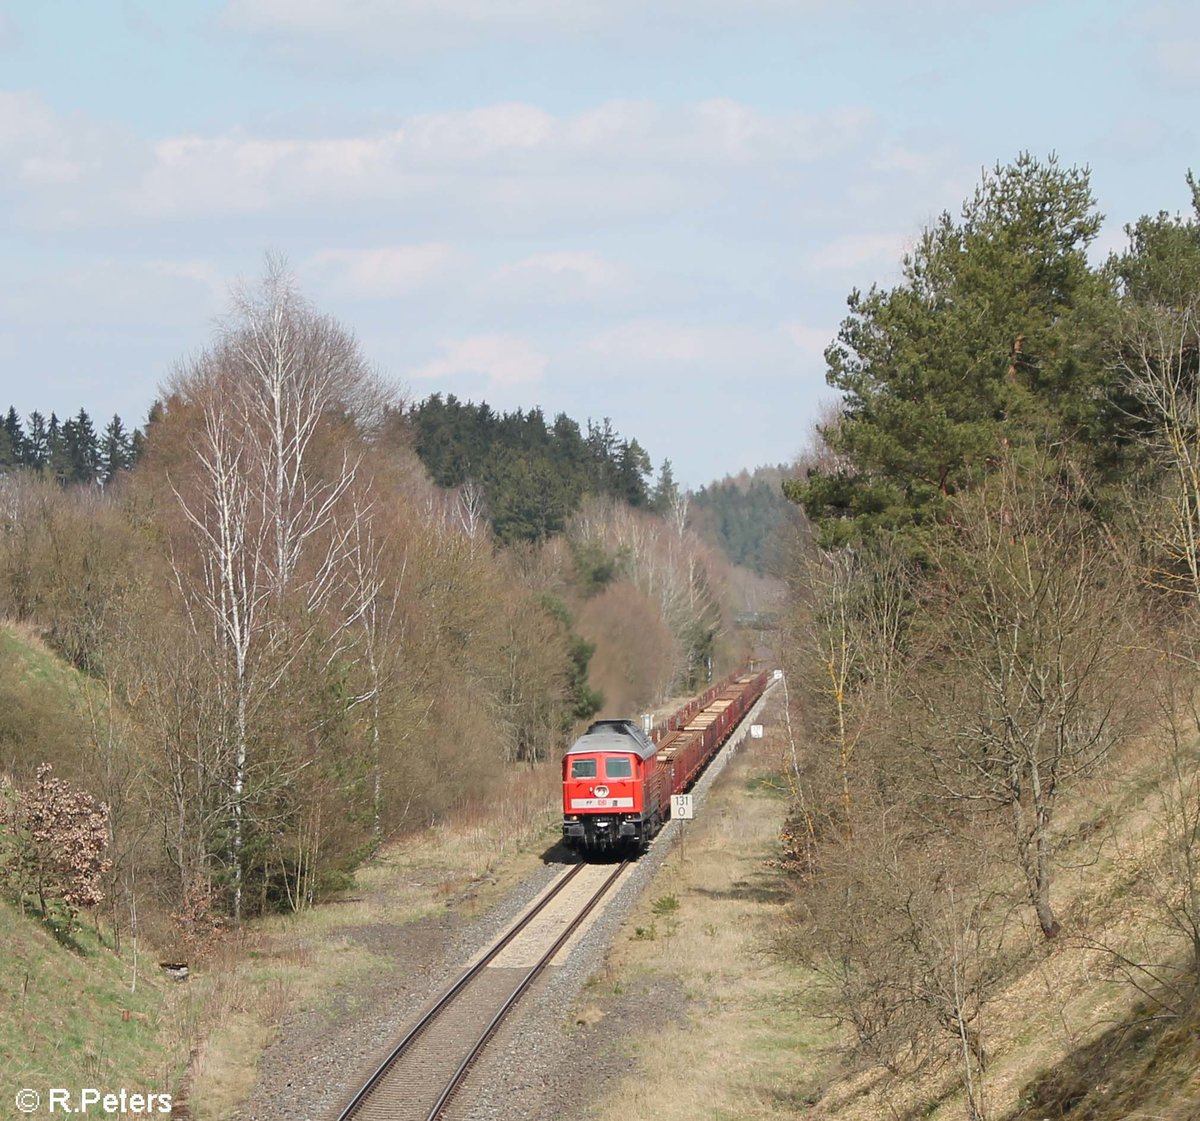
[618, 782]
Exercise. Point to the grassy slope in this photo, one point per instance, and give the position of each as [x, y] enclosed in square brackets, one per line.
[1069, 1037]
[49, 712]
[63, 1005]
[62, 1015]
[61, 1008]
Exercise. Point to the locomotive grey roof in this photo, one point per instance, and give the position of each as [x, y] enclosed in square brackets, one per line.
[613, 735]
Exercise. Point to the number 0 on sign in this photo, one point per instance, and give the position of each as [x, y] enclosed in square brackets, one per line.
[682, 808]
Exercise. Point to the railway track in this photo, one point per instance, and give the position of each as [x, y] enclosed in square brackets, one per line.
[421, 1075]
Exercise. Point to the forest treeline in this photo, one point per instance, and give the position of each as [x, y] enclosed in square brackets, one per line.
[69, 451]
[294, 644]
[744, 515]
[531, 476]
[993, 618]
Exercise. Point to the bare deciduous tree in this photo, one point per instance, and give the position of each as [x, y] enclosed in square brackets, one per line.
[906, 943]
[260, 498]
[1160, 358]
[674, 569]
[849, 634]
[1029, 669]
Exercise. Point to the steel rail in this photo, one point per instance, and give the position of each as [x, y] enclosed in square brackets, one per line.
[459, 1075]
[418, 1029]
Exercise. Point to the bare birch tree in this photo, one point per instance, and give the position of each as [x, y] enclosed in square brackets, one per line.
[260, 500]
[670, 566]
[373, 605]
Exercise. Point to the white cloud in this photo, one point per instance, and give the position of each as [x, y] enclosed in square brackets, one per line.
[113, 291]
[323, 32]
[718, 132]
[810, 341]
[503, 360]
[9, 36]
[383, 273]
[508, 167]
[1167, 32]
[27, 124]
[499, 160]
[369, 21]
[1177, 57]
[199, 272]
[58, 168]
[41, 171]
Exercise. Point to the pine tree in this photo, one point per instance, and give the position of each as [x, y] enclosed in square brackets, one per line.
[138, 441]
[666, 490]
[990, 342]
[9, 459]
[37, 444]
[633, 468]
[16, 438]
[116, 452]
[59, 437]
[83, 449]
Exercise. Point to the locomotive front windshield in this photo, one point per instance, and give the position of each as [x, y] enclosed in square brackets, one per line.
[583, 768]
[618, 766]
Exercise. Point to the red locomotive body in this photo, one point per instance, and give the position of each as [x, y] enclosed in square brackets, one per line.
[617, 783]
[611, 787]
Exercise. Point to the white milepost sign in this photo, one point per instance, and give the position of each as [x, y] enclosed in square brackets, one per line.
[756, 732]
[682, 807]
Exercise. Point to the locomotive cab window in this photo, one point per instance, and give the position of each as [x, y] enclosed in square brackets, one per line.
[617, 767]
[583, 768]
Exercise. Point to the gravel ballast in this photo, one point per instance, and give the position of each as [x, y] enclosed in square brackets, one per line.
[542, 1066]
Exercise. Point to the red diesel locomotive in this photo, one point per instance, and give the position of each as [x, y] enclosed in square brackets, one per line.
[618, 782]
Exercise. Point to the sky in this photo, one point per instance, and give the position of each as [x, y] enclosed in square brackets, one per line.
[646, 210]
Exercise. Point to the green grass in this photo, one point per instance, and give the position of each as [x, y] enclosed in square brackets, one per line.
[72, 1018]
[49, 711]
[70, 1015]
[768, 784]
[36, 662]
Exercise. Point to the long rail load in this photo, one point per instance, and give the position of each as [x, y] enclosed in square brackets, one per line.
[618, 782]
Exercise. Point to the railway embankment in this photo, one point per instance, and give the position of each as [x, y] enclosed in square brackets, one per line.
[314, 1000]
[358, 971]
[685, 1007]
[700, 1009]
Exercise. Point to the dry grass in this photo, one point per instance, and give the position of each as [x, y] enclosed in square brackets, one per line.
[1065, 1031]
[232, 1008]
[709, 925]
[1066, 1026]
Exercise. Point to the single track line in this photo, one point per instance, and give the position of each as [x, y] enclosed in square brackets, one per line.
[389, 1079]
[460, 1075]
